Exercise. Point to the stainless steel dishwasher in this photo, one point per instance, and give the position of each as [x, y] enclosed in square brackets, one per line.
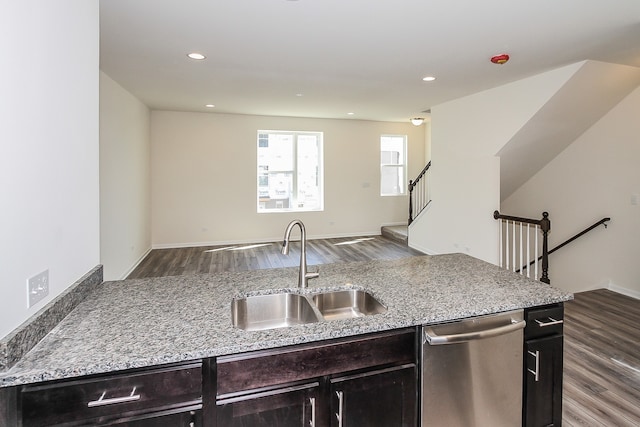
[472, 372]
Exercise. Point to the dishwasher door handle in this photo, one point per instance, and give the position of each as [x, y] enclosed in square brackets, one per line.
[431, 337]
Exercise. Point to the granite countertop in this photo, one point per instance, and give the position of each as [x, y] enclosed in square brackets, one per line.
[136, 323]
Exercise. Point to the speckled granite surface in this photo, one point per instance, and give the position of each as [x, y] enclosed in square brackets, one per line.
[136, 323]
[27, 335]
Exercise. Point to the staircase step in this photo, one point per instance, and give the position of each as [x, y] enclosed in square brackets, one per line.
[399, 233]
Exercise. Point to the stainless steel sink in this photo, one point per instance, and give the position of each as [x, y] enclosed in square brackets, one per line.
[260, 312]
[347, 304]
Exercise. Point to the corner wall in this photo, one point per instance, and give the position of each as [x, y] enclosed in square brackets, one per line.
[204, 178]
[49, 141]
[597, 176]
[466, 134]
[125, 180]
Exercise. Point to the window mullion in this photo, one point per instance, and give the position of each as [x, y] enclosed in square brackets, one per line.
[294, 195]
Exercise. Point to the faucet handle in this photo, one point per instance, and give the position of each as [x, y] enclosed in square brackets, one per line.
[313, 274]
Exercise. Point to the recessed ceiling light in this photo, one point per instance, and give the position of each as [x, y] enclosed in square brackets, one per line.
[209, 105]
[428, 78]
[350, 114]
[196, 55]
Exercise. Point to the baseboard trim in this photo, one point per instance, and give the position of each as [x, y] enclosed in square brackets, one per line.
[424, 250]
[136, 264]
[624, 291]
[266, 240]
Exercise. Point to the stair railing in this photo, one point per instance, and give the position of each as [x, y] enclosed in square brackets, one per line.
[515, 241]
[419, 199]
[518, 237]
[603, 221]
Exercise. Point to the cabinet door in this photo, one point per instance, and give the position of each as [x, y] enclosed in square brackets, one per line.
[543, 382]
[294, 406]
[384, 398]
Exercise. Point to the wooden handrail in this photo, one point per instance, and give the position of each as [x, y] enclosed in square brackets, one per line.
[603, 221]
[545, 215]
[412, 184]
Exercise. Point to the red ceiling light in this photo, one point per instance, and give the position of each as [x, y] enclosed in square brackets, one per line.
[500, 59]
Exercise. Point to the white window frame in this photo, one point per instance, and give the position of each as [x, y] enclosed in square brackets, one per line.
[386, 166]
[294, 205]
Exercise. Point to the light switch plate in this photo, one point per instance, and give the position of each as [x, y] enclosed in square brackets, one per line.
[37, 288]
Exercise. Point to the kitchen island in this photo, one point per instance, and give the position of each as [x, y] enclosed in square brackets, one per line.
[157, 321]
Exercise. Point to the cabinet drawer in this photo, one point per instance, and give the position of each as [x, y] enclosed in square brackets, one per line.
[544, 321]
[104, 398]
[268, 368]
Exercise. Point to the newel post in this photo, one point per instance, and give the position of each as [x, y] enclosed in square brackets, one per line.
[545, 226]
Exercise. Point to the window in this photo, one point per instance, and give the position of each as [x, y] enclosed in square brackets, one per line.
[393, 159]
[289, 171]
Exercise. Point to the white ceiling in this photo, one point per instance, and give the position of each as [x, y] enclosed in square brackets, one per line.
[362, 56]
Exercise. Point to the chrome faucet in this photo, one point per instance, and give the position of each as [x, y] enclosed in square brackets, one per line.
[303, 275]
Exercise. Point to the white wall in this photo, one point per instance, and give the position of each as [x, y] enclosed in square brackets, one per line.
[466, 134]
[427, 143]
[595, 177]
[125, 174]
[49, 140]
[204, 178]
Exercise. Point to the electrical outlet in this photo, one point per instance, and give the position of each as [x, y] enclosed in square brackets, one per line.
[37, 288]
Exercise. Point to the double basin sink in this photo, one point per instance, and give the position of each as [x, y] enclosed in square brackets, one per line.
[260, 312]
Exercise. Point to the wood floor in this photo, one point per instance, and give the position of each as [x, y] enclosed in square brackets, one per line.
[602, 328]
[601, 360]
[213, 259]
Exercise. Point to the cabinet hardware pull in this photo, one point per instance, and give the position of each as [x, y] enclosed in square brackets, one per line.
[115, 400]
[536, 372]
[551, 322]
[339, 414]
[312, 423]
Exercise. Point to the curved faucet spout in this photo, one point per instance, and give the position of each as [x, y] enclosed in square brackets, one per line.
[303, 275]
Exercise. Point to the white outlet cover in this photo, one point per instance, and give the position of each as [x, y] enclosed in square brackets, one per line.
[37, 288]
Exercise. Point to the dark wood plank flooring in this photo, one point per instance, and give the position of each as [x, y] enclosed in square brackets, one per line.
[213, 259]
[601, 360]
[602, 332]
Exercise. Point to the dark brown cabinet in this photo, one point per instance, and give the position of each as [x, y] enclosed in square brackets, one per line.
[180, 419]
[385, 397]
[292, 406]
[375, 376]
[169, 395]
[369, 380]
[542, 394]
